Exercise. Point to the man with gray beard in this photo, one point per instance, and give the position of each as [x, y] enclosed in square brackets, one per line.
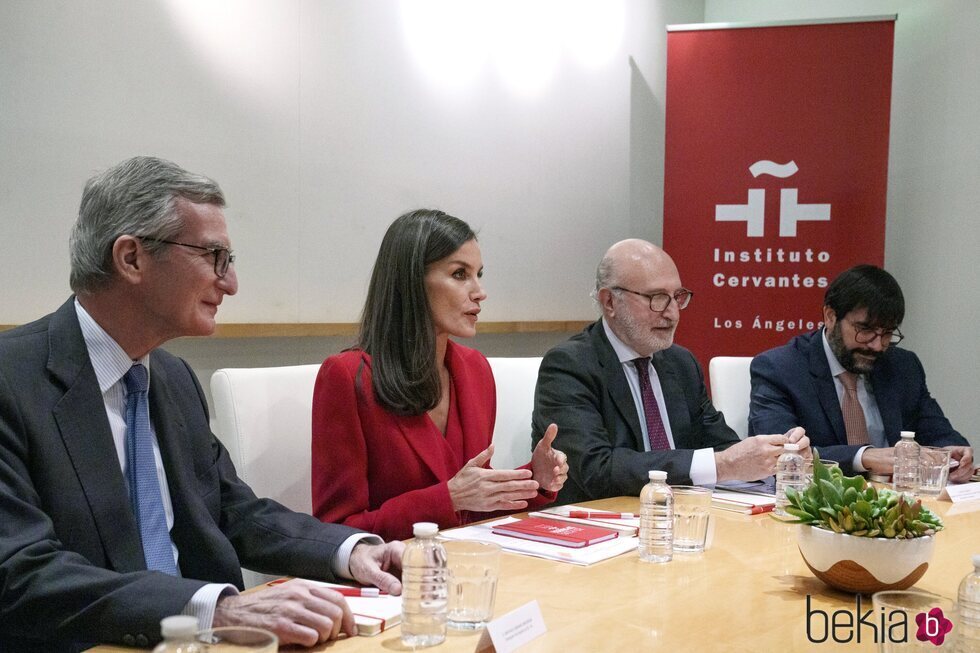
[627, 400]
[849, 384]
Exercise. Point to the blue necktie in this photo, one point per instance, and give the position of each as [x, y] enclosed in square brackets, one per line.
[144, 485]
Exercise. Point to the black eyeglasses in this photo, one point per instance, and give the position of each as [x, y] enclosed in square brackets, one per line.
[863, 334]
[661, 300]
[222, 255]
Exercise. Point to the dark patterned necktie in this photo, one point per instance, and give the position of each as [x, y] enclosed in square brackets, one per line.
[656, 433]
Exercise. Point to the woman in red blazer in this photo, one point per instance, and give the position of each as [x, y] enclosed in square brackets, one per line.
[402, 424]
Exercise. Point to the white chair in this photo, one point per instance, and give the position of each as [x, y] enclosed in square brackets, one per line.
[263, 417]
[731, 390]
[515, 379]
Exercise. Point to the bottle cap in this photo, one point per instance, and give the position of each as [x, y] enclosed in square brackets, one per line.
[178, 626]
[424, 529]
[657, 475]
[908, 434]
[976, 561]
[791, 446]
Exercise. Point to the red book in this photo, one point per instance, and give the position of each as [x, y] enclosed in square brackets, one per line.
[558, 532]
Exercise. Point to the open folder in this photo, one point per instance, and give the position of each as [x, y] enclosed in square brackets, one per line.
[584, 556]
[553, 531]
[625, 526]
[747, 504]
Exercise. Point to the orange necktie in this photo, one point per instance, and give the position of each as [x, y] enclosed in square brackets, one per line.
[854, 424]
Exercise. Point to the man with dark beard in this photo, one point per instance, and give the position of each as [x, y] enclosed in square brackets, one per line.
[848, 384]
[627, 400]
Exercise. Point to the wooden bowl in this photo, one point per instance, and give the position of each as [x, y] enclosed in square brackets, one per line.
[865, 564]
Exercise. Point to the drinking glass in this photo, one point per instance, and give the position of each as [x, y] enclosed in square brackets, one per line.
[238, 639]
[892, 607]
[692, 505]
[473, 569]
[808, 468]
[933, 470]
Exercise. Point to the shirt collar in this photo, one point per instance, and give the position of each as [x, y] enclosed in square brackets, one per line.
[624, 352]
[109, 360]
[835, 367]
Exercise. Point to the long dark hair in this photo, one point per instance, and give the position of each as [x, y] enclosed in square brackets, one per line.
[396, 324]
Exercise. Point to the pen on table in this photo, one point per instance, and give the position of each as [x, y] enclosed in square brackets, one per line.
[359, 591]
[588, 514]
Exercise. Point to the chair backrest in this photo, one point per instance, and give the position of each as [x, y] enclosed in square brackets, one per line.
[731, 390]
[515, 379]
[263, 417]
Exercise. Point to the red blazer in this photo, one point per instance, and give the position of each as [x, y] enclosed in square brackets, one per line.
[382, 472]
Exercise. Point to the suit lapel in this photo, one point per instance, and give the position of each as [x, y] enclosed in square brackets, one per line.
[84, 428]
[469, 400]
[417, 430]
[616, 385]
[826, 391]
[678, 414]
[171, 433]
[886, 391]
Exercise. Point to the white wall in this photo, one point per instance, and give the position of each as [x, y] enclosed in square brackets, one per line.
[324, 121]
[932, 233]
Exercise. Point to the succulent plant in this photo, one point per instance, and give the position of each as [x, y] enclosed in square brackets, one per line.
[848, 504]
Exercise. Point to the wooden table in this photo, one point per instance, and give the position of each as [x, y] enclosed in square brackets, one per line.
[747, 592]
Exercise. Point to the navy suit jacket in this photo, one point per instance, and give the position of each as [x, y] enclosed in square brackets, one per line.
[792, 386]
[582, 388]
[71, 564]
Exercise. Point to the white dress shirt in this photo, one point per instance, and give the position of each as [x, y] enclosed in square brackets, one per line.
[703, 470]
[866, 397]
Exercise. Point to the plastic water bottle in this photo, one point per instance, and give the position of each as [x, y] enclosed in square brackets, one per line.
[656, 519]
[790, 473]
[905, 477]
[968, 611]
[179, 635]
[424, 590]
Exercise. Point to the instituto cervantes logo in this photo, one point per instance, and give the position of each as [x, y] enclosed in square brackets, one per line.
[753, 213]
[881, 627]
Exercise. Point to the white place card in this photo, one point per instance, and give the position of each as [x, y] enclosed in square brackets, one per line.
[963, 492]
[513, 630]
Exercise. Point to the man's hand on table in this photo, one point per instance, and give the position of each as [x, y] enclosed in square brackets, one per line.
[300, 612]
[372, 564]
[882, 461]
[964, 472]
[297, 612]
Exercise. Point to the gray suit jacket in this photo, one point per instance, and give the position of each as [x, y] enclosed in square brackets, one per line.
[71, 564]
[582, 388]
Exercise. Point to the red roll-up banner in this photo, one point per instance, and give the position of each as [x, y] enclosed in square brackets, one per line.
[776, 170]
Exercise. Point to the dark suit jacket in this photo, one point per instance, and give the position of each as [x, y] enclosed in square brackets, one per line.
[71, 564]
[383, 472]
[792, 386]
[582, 388]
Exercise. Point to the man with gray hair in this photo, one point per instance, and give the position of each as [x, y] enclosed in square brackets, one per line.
[627, 400]
[118, 506]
